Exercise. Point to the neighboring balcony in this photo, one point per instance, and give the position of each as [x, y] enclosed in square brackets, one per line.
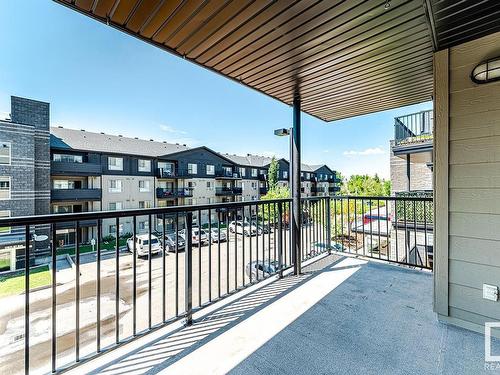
[220, 175]
[334, 189]
[75, 169]
[263, 190]
[414, 129]
[316, 189]
[263, 177]
[162, 193]
[223, 191]
[166, 173]
[75, 194]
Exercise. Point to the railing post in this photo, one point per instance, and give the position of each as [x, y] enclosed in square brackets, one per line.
[328, 226]
[188, 267]
[295, 188]
[280, 239]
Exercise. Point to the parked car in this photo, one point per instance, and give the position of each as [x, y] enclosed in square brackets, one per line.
[262, 228]
[217, 236]
[197, 236]
[170, 239]
[243, 228]
[261, 268]
[142, 244]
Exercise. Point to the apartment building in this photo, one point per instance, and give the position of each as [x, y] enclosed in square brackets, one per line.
[411, 160]
[58, 170]
[24, 174]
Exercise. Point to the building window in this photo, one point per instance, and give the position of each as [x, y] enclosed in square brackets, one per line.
[63, 184]
[210, 185]
[115, 186]
[254, 185]
[308, 176]
[254, 172]
[4, 187]
[143, 225]
[4, 230]
[5, 152]
[115, 164]
[68, 158]
[192, 168]
[144, 165]
[112, 229]
[209, 200]
[144, 204]
[114, 206]
[191, 184]
[144, 186]
[262, 171]
[62, 209]
[242, 172]
[210, 170]
[285, 174]
[167, 168]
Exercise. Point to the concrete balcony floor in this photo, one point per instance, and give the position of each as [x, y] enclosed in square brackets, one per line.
[343, 316]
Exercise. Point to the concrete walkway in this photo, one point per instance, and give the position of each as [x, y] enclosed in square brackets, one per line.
[344, 316]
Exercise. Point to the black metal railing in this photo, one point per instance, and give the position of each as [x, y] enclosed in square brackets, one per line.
[165, 193]
[227, 174]
[129, 274]
[414, 128]
[394, 229]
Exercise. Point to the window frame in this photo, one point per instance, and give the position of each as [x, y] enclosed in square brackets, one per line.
[144, 189]
[210, 169]
[10, 152]
[141, 169]
[116, 189]
[9, 180]
[192, 168]
[114, 167]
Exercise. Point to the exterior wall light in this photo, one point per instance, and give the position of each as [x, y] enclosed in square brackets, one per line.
[487, 71]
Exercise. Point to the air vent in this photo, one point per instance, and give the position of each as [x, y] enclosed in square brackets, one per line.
[60, 127]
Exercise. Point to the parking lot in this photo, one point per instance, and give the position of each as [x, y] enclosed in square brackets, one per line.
[217, 269]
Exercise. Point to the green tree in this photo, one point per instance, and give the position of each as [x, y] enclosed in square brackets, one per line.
[269, 212]
[273, 174]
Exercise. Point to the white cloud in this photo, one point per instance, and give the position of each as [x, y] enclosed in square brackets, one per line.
[171, 129]
[366, 152]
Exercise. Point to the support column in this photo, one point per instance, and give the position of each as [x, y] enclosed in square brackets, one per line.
[295, 187]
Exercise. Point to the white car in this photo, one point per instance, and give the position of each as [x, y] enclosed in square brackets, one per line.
[217, 236]
[196, 236]
[142, 245]
[243, 228]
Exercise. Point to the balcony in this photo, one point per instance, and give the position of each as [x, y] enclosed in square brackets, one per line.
[166, 173]
[63, 168]
[162, 193]
[262, 176]
[222, 191]
[227, 175]
[334, 189]
[318, 189]
[263, 190]
[75, 194]
[414, 130]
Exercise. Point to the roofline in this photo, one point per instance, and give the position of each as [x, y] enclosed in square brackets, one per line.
[200, 148]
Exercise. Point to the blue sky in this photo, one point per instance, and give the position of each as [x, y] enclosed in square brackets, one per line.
[99, 79]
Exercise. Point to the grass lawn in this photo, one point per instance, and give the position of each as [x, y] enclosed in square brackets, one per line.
[14, 283]
[88, 248]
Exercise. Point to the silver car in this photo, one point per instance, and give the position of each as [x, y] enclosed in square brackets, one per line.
[217, 236]
[142, 245]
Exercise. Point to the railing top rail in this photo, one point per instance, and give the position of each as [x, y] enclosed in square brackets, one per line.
[382, 197]
[59, 218]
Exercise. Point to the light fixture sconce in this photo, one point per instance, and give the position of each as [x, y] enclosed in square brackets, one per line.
[487, 71]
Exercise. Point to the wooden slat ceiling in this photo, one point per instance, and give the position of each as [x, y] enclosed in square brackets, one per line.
[346, 58]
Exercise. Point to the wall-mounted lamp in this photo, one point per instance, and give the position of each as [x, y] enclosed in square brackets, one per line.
[487, 71]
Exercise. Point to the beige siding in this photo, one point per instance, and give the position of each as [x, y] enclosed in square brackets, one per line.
[474, 185]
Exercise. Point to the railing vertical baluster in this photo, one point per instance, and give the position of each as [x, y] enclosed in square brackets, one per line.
[335, 220]
[355, 221]
[176, 232]
[274, 230]
[77, 292]
[417, 254]
[371, 228]
[363, 225]
[349, 223]
[243, 246]
[396, 227]
[250, 247]
[150, 271]
[290, 257]
[134, 276]
[188, 267]
[329, 225]
[218, 255]
[164, 270]
[280, 239]
[236, 248]
[263, 241]
[209, 255]
[378, 227]
[98, 287]
[54, 299]
[117, 282]
[27, 299]
[387, 229]
[342, 223]
[407, 245]
[199, 257]
[425, 234]
[268, 235]
[227, 251]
